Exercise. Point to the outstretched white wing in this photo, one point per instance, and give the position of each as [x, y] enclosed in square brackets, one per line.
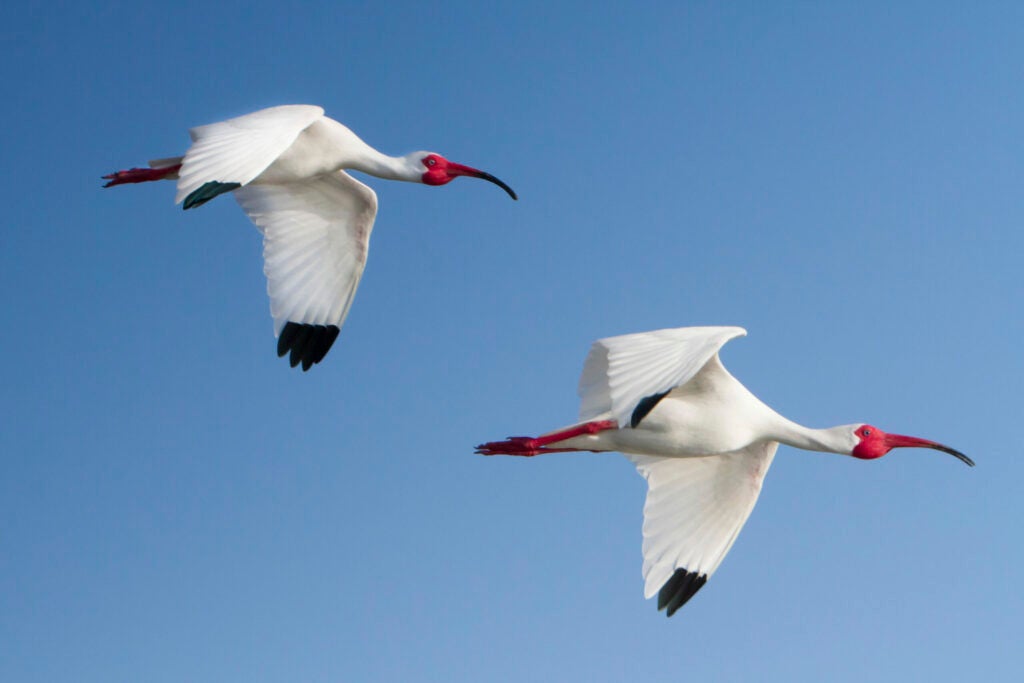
[695, 509]
[620, 371]
[239, 149]
[316, 235]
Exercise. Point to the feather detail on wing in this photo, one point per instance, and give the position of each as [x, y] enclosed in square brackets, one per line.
[239, 149]
[316, 236]
[694, 511]
[621, 371]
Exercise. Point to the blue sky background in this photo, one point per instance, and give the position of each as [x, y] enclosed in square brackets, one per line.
[844, 181]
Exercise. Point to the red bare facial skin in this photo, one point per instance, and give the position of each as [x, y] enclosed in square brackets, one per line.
[440, 171]
[437, 170]
[874, 443]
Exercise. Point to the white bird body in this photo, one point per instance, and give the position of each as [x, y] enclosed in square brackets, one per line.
[712, 413]
[324, 146]
[706, 413]
[285, 144]
[327, 146]
[702, 440]
[285, 166]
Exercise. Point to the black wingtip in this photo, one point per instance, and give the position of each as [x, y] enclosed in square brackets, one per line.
[306, 344]
[645, 406]
[207, 192]
[678, 589]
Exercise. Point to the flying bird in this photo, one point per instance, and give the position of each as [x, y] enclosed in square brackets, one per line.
[285, 167]
[699, 437]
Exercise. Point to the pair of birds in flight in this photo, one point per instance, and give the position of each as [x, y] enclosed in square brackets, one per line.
[700, 438]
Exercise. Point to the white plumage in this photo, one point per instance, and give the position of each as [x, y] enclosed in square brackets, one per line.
[701, 440]
[316, 236]
[239, 150]
[284, 166]
[619, 371]
[695, 509]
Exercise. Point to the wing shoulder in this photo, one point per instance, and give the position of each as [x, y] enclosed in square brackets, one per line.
[620, 372]
[239, 149]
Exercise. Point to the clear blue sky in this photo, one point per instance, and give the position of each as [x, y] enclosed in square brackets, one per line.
[176, 504]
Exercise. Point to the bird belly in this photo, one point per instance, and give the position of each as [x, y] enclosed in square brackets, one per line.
[312, 154]
[681, 428]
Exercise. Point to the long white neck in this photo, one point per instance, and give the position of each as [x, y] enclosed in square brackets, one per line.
[381, 165]
[765, 421]
[830, 440]
[352, 153]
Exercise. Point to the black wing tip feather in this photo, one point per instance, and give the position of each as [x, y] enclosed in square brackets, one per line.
[678, 589]
[207, 192]
[307, 344]
[645, 406]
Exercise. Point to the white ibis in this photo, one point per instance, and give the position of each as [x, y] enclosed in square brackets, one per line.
[699, 437]
[284, 167]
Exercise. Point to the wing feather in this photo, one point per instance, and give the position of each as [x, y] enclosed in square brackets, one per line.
[621, 371]
[239, 149]
[316, 237]
[694, 511]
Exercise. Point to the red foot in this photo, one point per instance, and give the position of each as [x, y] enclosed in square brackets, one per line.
[140, 175]
[514, 445]
[529, 446]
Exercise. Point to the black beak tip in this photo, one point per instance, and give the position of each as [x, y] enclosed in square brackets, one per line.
[511, 192]
[488, 177]
[960, 456]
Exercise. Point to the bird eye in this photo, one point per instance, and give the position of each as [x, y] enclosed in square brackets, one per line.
[867, 432]
[431, 161]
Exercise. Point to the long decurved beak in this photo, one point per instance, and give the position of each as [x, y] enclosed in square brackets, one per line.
[900, 441]
[455, 170]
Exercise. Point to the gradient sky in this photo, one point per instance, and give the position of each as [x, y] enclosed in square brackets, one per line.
[842, 179]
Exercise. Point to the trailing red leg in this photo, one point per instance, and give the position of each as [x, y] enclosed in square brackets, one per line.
[141, 175]
[529, 446]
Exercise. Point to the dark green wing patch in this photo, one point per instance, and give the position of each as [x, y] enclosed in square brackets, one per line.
[207, 192]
